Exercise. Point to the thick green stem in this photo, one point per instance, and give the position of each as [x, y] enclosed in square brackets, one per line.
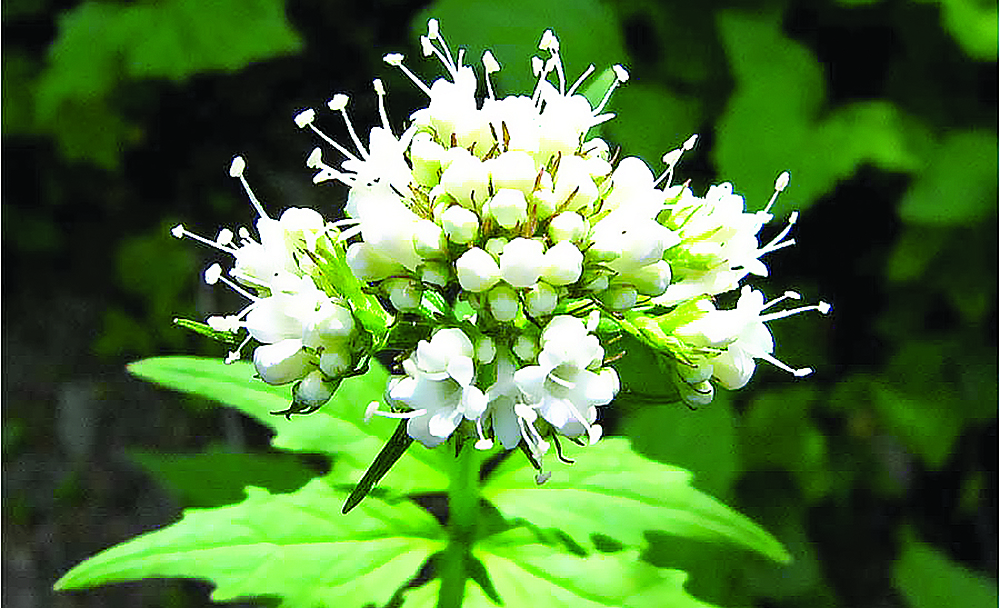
[463, 513]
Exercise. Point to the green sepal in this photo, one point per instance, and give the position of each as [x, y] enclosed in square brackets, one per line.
[197, 327]
[335, 276]
[390, 453]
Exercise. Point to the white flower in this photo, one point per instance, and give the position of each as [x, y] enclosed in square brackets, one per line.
[477, 270]
[521, 262]
[282, 362]
[562, 386]
[508, 207]
[460, 224]
[563, 264]
[744, 336]
[439, 383]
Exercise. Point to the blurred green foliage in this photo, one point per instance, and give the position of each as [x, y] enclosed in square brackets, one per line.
[884, 112]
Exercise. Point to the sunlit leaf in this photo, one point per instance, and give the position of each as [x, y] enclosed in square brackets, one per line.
[297, 546]
[338, 429]
[629, 495]
[523, 571]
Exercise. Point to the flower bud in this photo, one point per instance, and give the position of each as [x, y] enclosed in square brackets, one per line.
[508, 207]
[620, 297]
[281, 362]
[486, 350]
[521, 262]
[425, 156]
[405, 294]
[434, 273]
[649, 280]
[503, 303]
[563, 264]
[477, 270]
[314, 390]
[466, 179]
[368, 264]
[336, 361]
[332, 323]
[428, 239]
[541, 299]
[525, 347]
[514, 169]
[495, 246]
[460, 224]
[567, 226]
[574, 188]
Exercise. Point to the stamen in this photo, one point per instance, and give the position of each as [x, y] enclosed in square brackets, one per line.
[214, 274]
[776, 243]
[779, 185]
[380, 91]
[396, 60]
[483, 443]
[236, 170]
[579, 81]
[372, 410]
[179, 231]
[339, 104]
[490, 66]
[621, 77]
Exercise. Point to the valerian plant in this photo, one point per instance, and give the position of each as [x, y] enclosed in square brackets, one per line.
[493, 251]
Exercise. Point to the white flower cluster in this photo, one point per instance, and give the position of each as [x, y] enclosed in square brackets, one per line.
[515, 233]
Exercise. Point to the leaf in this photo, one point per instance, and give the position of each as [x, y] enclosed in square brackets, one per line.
[702, 441]
[628, 493]
[588, 34]
[928, 579]
[100, 45]
[338, 429]
[960, 184]
[296, 546]
[773, 121]
[523, 571]
[217, 477]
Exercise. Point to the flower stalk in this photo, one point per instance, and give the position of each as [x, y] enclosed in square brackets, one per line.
[463, 514]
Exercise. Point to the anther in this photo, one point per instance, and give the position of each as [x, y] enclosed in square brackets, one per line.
[237, 166]
[303, 119]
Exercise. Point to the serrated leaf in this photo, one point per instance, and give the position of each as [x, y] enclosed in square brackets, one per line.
[338, 429]
[775, 122]
[297, 546]
[588, 32]
[629, 494]
[218, 477]
[927, 579]
[523, 571]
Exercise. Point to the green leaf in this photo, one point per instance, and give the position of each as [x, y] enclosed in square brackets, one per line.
[523, 571]
[296, 546]
[774, 120]
[702, 441]
[338, 429]
[628, 493]
[928, 579]
[102, 44]
[973, 24]
[588, 34]
[959, 186]
[217, 477]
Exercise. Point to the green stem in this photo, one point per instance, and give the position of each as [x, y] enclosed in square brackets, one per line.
[463, 513]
